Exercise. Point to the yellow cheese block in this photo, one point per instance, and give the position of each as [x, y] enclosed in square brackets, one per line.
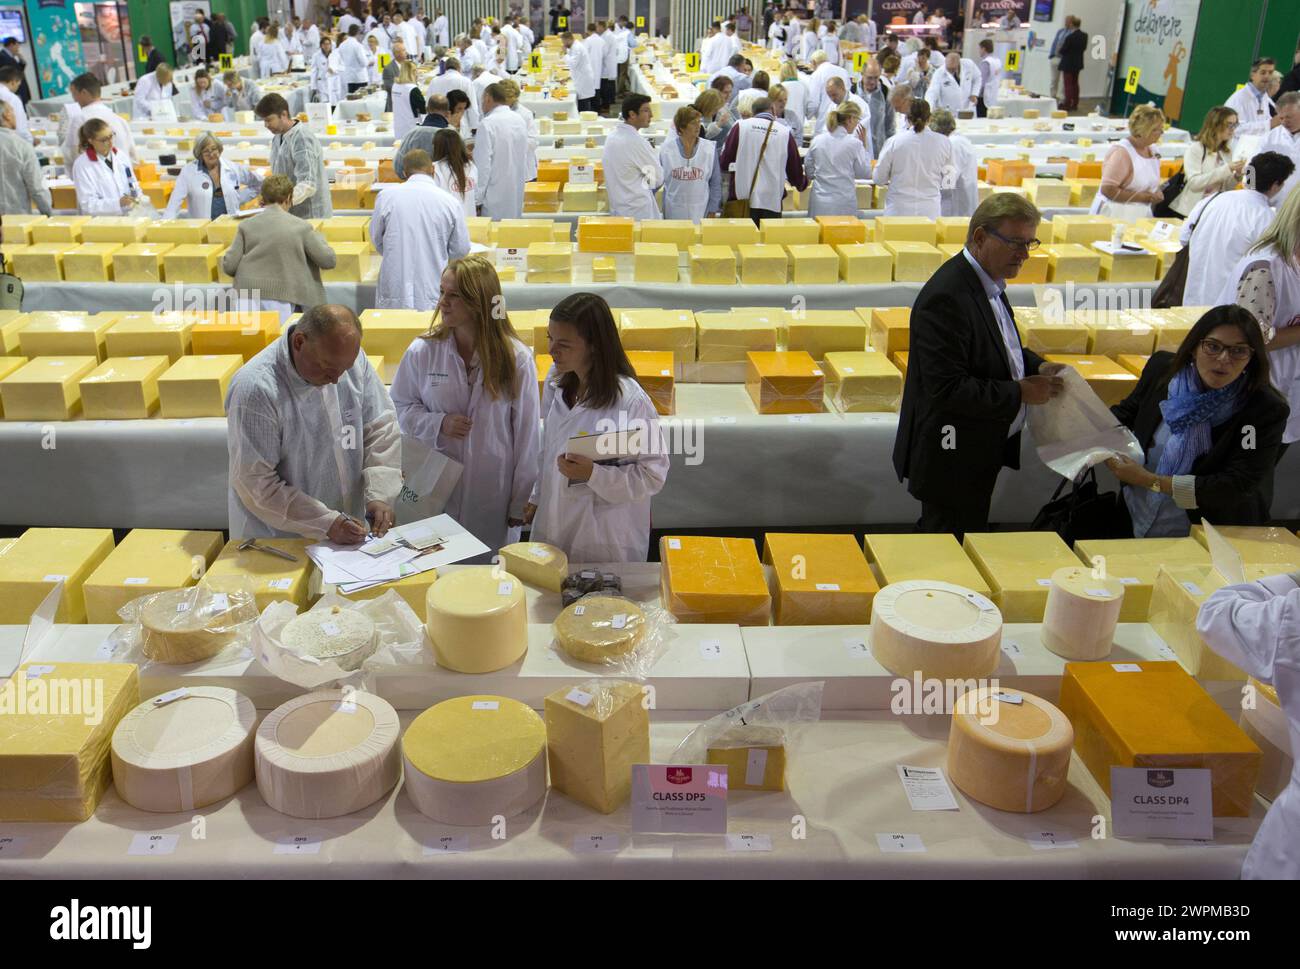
[1083, 191]
[905, 557]
[1120, 334]
[1259, 545]
[148, 560]
[46, 389]
[60, 334]
[1133, 363]
[862, 382]
[1047, 192]
[1082, 229]
[196, 386]
[1128, 268]
[55, 763]
[865, 263]
[194, 263]
[595, 732]
[604, 269]
[246, 332]
[602, 233]
[713, 580]
[17, 229]
[1073, 263]
[562, 232]
[729, 232]
[666, 330]
[8, 365]
[269, 577]
[784, 382]
[914, 262]
[90, 262]
[222, 230]
[149, 334]
[727, 337]
[1135, 562]
[1111, 382]
[952, 228]
[140, 262]
[655, 262]
[60, 228]
[820, 332]
[178, 232]
[1043, 336]
[1176, 598]
[123, 388]
[480, 230]
[41, 262]
[814, 265]
[889, 327]
[821, 580]
[346, 228]
[654, 372]
[906, 228]
[41, 558]
[713, 265]
[680, 233]
[1034, 270]
[754, 755]
[762, 265]
[550, 262]
[522, 233]
[387, 333]
[581, 198]
[11, 323]
[1158, 716]
[842, 230]
[1018, 568]
[790, 232]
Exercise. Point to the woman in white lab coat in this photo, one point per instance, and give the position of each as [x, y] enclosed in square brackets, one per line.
[691, 174]
[206, 98]
[836, 160]
[796, 98]
[810, 40]
[453, 170]
[915, 164]
[595, 512]
[1254, 626]
[103, 176]
[212, 186]
[271, 58]
[325, 78]
[372, 61]
[964, 197]
[468, 389]
[408, 102]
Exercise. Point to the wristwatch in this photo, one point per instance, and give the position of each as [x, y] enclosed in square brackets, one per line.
[1155, 484]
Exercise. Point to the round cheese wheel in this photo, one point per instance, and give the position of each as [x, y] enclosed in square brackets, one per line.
[1013, 756]
[596, 629]
[938, 629]
[342, 636]
[477, 619]
[327, 753]
[1267, 725]
[470, 759]
[1081, 614]
[193, 624]
[177, 753]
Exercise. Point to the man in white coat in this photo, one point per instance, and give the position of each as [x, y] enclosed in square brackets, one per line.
[347, 22]
[501, 155]
[608, 64]
[296, 152]
[713, 52]
[152, 90]
[1253, 105]
[418, 228]
[632, 170]
[291, 412]
[580, 70]
[441, 29]
[85, 105]
[354, 60]
[514, 42]
[951, 87]
[730, 42]
[453, 80]
[469, 57]
[823, 71]
[1285, 138]
[837, 92]
[11, 79]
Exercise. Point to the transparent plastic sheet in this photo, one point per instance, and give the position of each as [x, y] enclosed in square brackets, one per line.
[610, 632]
[398, 640]
[851, 399]
[713, 580]
[1076, 431]
[185, 626]
[787, 394]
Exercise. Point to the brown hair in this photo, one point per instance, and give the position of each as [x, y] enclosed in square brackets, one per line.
[1215, 127]
[918, 115]
[1257, 370]
[91, 129]
[480, 287]
[998, 207]
[590, 315]
[684, 116]
[448, 147]
[277, 189]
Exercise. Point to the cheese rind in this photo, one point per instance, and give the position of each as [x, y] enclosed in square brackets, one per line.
[754, 756]
[599, 629]
[940, 630]
[477, 619]
[1081, 615]
[183, 626]
[540, 565]
[595, 733]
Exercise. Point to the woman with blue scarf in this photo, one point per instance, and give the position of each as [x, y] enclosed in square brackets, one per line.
[1210, 423]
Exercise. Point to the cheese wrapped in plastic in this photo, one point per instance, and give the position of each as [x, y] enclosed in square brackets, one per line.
[862, 382]
[785, 383]
[595, 732]
[713, 580]
[821, 580]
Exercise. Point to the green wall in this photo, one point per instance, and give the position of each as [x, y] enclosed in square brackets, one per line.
[152, 18]
[1226, 31]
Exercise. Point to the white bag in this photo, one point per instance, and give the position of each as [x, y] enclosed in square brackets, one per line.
[1076, 430]
[429, 478]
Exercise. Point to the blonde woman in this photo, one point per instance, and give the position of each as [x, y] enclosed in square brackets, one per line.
[468, 389]
[836, 160]
[1208, 164]
[796, 97]
[408, 102]
[271, 57]
[1130, 174]
[205, 98]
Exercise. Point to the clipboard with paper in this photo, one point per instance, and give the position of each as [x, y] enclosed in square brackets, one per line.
[1075, 431]
[609, 446]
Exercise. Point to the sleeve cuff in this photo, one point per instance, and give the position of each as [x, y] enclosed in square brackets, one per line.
[1185, 490]
[1295, 577]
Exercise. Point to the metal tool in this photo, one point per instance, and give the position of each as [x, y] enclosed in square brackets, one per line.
[249, 543]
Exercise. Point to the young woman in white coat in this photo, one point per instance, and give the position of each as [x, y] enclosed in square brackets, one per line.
[964, 196]
[468, 389]
[271, 58]
[595, 512]
[691, 174]
[206, 98]
[325, 77]
[102, 175]
[796, 100]
[212, 186]
[915, 164]
[453, 169]
[836, 160]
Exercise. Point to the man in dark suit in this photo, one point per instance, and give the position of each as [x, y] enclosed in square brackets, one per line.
[10, 57]
[969, 380]
[1072, 50]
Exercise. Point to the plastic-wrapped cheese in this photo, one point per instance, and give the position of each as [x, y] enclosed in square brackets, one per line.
[1266, 724]
[344, 637]
[477, 619]
[1082, 612]
[189, 625]
[181, 752]
[328, 753]
[472, 758]
[540, 565]
[598, 628]
[1009, 749]
[754, 757]
[940, 630]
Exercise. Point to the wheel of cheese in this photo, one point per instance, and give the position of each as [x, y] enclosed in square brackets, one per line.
[477, 619]
[181, 752]
[1082, 611]
[342, 636]
[941, 630]
[1013, 756]
[193, 624]
[598, 629]
[474, 758]
[1266, 724]
[328, 753]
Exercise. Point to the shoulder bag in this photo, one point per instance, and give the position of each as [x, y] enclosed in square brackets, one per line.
[1170, 291]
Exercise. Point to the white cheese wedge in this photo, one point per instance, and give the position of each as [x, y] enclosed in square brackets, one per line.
[941, 630]
[1081, 614]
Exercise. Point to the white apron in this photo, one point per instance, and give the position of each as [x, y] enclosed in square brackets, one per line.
[686, 180]
[403, 117]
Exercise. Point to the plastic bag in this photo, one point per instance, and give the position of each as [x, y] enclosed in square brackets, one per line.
[1076, 430]
[784, 713]
[612, 634]
[185, 626]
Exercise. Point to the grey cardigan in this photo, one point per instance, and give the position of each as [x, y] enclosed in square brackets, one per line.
[281, 256]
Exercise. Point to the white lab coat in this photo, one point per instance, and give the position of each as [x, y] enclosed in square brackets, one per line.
[291, 472]
[580, 70]
[609, 55]
[75, 116]
[796, 105]
[470, 58]
[964, 197]
[20, 114]
[992, 84]
[831, 45]
[422, 228]
[413, 36]
[149, 94]
[355, 61]
[632, 174]
[1223, 233]
[194, 185]
[441, 31]
[445, 179]
[403, 117]
[456, 81]
[534, 137]
[500, 453]
[208, 102]
[711, 50]
[914, 166]
[271, 59]
[293, 44]
[606, 519]
[324, 77]
[948, 92]
[1284, 143]
[501, 154]
[808, 43]
[382, 37]
[256, 39]
[1254, 625]
[100, 189]
[298, 154]
[514, 47]
[688, 181]
[827, 104]
[835, 161]
[1254, 113]
[816, 82]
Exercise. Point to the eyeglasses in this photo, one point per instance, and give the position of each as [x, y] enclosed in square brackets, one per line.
[1237, 352]
[1029, 245]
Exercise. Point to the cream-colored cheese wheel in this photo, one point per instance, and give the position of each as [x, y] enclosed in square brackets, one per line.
[938, 629]
[540, 565]
[342, 636]
[1013, 756]
[1082, 611]
[470, 759]
[177, 753]
[328, 753]
[189, 625]
[596, 629]
[477, 619]
[1267, 725]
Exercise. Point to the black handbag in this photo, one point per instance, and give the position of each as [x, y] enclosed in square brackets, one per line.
[1083, 513]
[1170, 190]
